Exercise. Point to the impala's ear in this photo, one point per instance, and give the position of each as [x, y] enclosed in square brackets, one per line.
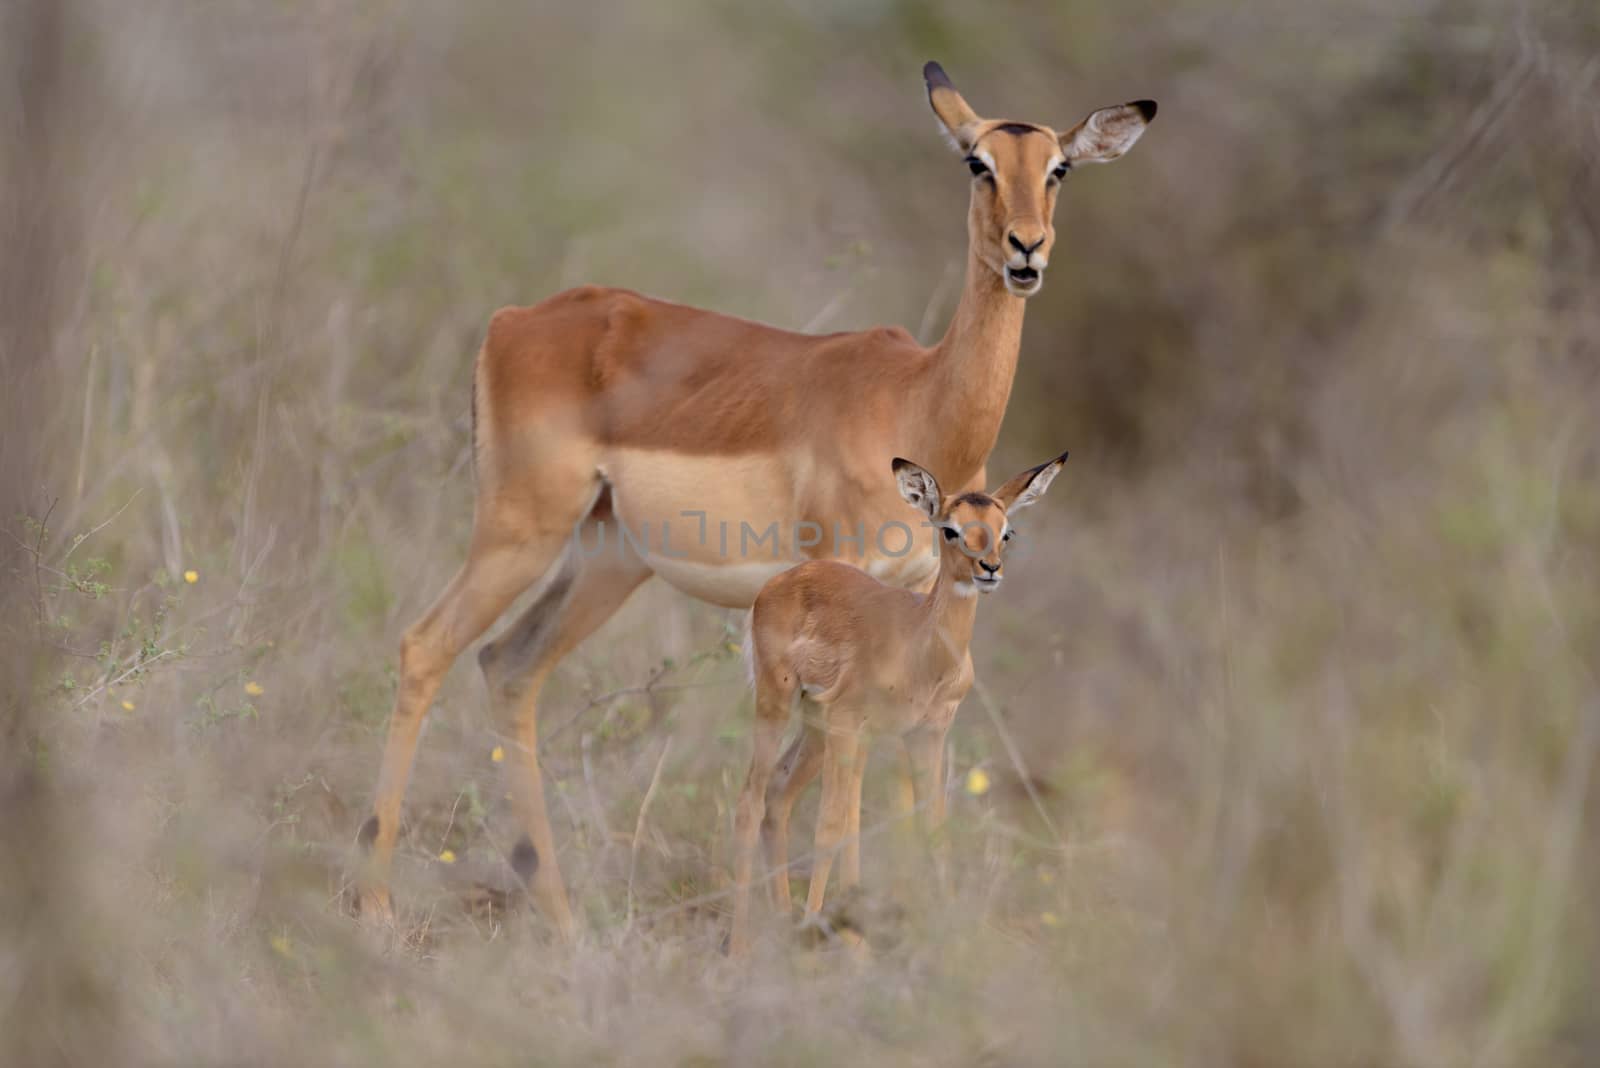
[1107, 133]
[918, 487]
[1029, 486]
[960, 122]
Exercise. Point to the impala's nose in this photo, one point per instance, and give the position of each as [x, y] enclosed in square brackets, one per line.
[1024, 247]
[987, 566]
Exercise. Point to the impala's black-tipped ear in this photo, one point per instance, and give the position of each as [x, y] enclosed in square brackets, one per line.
[1106, 134]
[960, 122]
[1028, 487]
[918, 487]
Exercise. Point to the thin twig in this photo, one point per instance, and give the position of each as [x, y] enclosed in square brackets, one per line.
[638, 827]
[1016, 760]
[80, 539]
[450, 824]
[140, 666]
[37, 550]
[594, 798]
[607, 698]
[38, 556]
[650, 686]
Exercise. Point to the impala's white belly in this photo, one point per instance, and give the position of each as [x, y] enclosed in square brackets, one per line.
[730, 585]
[719, 527]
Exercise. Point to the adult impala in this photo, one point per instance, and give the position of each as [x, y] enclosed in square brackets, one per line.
[603, 407]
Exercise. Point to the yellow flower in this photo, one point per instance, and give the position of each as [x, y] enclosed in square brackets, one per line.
[448, 856]
[977, 782]
[191, 576]
[281, 946]
[254, 689]
[127, 706]
[497, 754]
[1049, 919]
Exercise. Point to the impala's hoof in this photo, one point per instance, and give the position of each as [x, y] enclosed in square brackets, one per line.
[374, 907]
[525, 860]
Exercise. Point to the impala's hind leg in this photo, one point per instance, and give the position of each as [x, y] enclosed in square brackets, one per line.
[513, 544]
[799, 765]
[774, 697]
[839, 773]
[591, 581]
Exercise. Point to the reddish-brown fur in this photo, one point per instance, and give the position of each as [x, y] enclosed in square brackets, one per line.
[652, 374]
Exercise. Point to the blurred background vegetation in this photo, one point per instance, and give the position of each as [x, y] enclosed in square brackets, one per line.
[1301, 678]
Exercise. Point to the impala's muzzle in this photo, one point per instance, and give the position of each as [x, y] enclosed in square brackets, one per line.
[1023, 281]
[1025, 266]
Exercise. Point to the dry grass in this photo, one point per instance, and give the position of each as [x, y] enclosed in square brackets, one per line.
[1301, 659]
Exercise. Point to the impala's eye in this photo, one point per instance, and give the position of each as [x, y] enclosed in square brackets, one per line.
[978, 168]
[949, 533]
[1061, 171]
[1007, 536]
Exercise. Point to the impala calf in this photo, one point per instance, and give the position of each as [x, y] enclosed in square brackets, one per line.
[864, 658]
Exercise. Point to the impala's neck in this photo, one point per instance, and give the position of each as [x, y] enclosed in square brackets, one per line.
[970, 376]
[949, 611]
